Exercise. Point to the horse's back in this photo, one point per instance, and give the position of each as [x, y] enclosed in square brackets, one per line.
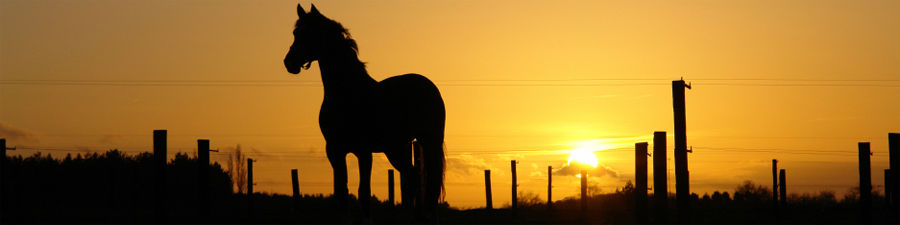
[416, 102]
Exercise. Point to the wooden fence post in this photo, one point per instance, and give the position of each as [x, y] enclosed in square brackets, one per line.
[5, 201]
[159, 162]
[391, 186]
[660, 190]
[487, 190]
[549, 187]
[640, 183]
[782, 187]
[775, 188]
[894, 151]
[3, 179]
[584, 194]
[250, 187]
[515, 185]
[865, 183]
[295, 187]
[203, 179]
[682, 180]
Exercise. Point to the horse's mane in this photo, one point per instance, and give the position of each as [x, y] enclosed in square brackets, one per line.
[331, 26]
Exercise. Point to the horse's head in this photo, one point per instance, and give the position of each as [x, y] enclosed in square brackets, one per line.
[314, 35]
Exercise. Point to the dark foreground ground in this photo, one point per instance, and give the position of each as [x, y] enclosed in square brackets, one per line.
[114, 188]
[616, 208]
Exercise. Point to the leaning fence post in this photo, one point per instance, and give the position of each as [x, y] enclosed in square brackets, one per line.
[487, 190]
[682, 180]
[865, 183]
[295, 187]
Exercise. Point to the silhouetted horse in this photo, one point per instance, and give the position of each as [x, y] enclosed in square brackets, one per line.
[361, 116]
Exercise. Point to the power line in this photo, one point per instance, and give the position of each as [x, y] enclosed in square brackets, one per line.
[476, 82]
[457, 152]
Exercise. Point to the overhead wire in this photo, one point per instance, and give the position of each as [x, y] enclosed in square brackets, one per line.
[480, 82]
[510, 151]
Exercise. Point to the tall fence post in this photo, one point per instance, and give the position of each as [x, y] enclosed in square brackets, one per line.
[775, 188]
[865, 183]
[3, 179]
[682, 180]
[295, 188]
[549, 187]
[159, 162]
[488, 200]
[203, 179]
[391, 186]
[584, 194]
[250, 187]
[782, 187]
[894, 151]
[515, 185]
[660, 190]
[640, 182]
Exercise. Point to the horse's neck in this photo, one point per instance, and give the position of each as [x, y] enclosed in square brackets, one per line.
[345, 75]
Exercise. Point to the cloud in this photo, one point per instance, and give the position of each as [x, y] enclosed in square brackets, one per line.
[16, 134]
[600, 171]
[466, 164]
[110, 138]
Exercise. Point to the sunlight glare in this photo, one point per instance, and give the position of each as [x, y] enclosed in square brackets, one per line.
[584, 152]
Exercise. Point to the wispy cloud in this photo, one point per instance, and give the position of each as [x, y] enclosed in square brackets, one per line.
[16, 134]
[466, 164]
[110, 138]
[575, 168]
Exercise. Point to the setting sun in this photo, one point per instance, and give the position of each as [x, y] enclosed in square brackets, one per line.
[584, 153]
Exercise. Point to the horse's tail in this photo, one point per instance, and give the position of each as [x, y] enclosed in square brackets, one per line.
[435, 165]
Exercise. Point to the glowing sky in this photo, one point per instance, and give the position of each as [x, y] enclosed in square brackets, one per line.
[800, 81]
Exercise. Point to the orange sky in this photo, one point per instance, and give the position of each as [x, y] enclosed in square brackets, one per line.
[522, 80]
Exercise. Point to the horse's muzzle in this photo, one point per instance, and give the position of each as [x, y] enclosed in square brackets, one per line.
[291, 66]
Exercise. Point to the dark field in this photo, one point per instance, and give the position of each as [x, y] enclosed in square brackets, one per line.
[115, 188]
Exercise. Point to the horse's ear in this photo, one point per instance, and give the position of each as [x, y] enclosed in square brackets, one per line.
[300, 11]
[313, 10]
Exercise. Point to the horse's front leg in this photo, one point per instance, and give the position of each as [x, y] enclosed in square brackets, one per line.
[365, 185]
[338, 160]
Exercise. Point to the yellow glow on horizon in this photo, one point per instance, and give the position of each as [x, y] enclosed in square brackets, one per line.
[584, 152]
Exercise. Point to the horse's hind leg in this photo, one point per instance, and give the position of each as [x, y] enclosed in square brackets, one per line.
[400, 157]
[338, 160]
[433, 154]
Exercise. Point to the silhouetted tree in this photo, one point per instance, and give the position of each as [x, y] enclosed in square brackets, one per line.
[749, 191]
[529, 199]
[98, 187]
[237, 169]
